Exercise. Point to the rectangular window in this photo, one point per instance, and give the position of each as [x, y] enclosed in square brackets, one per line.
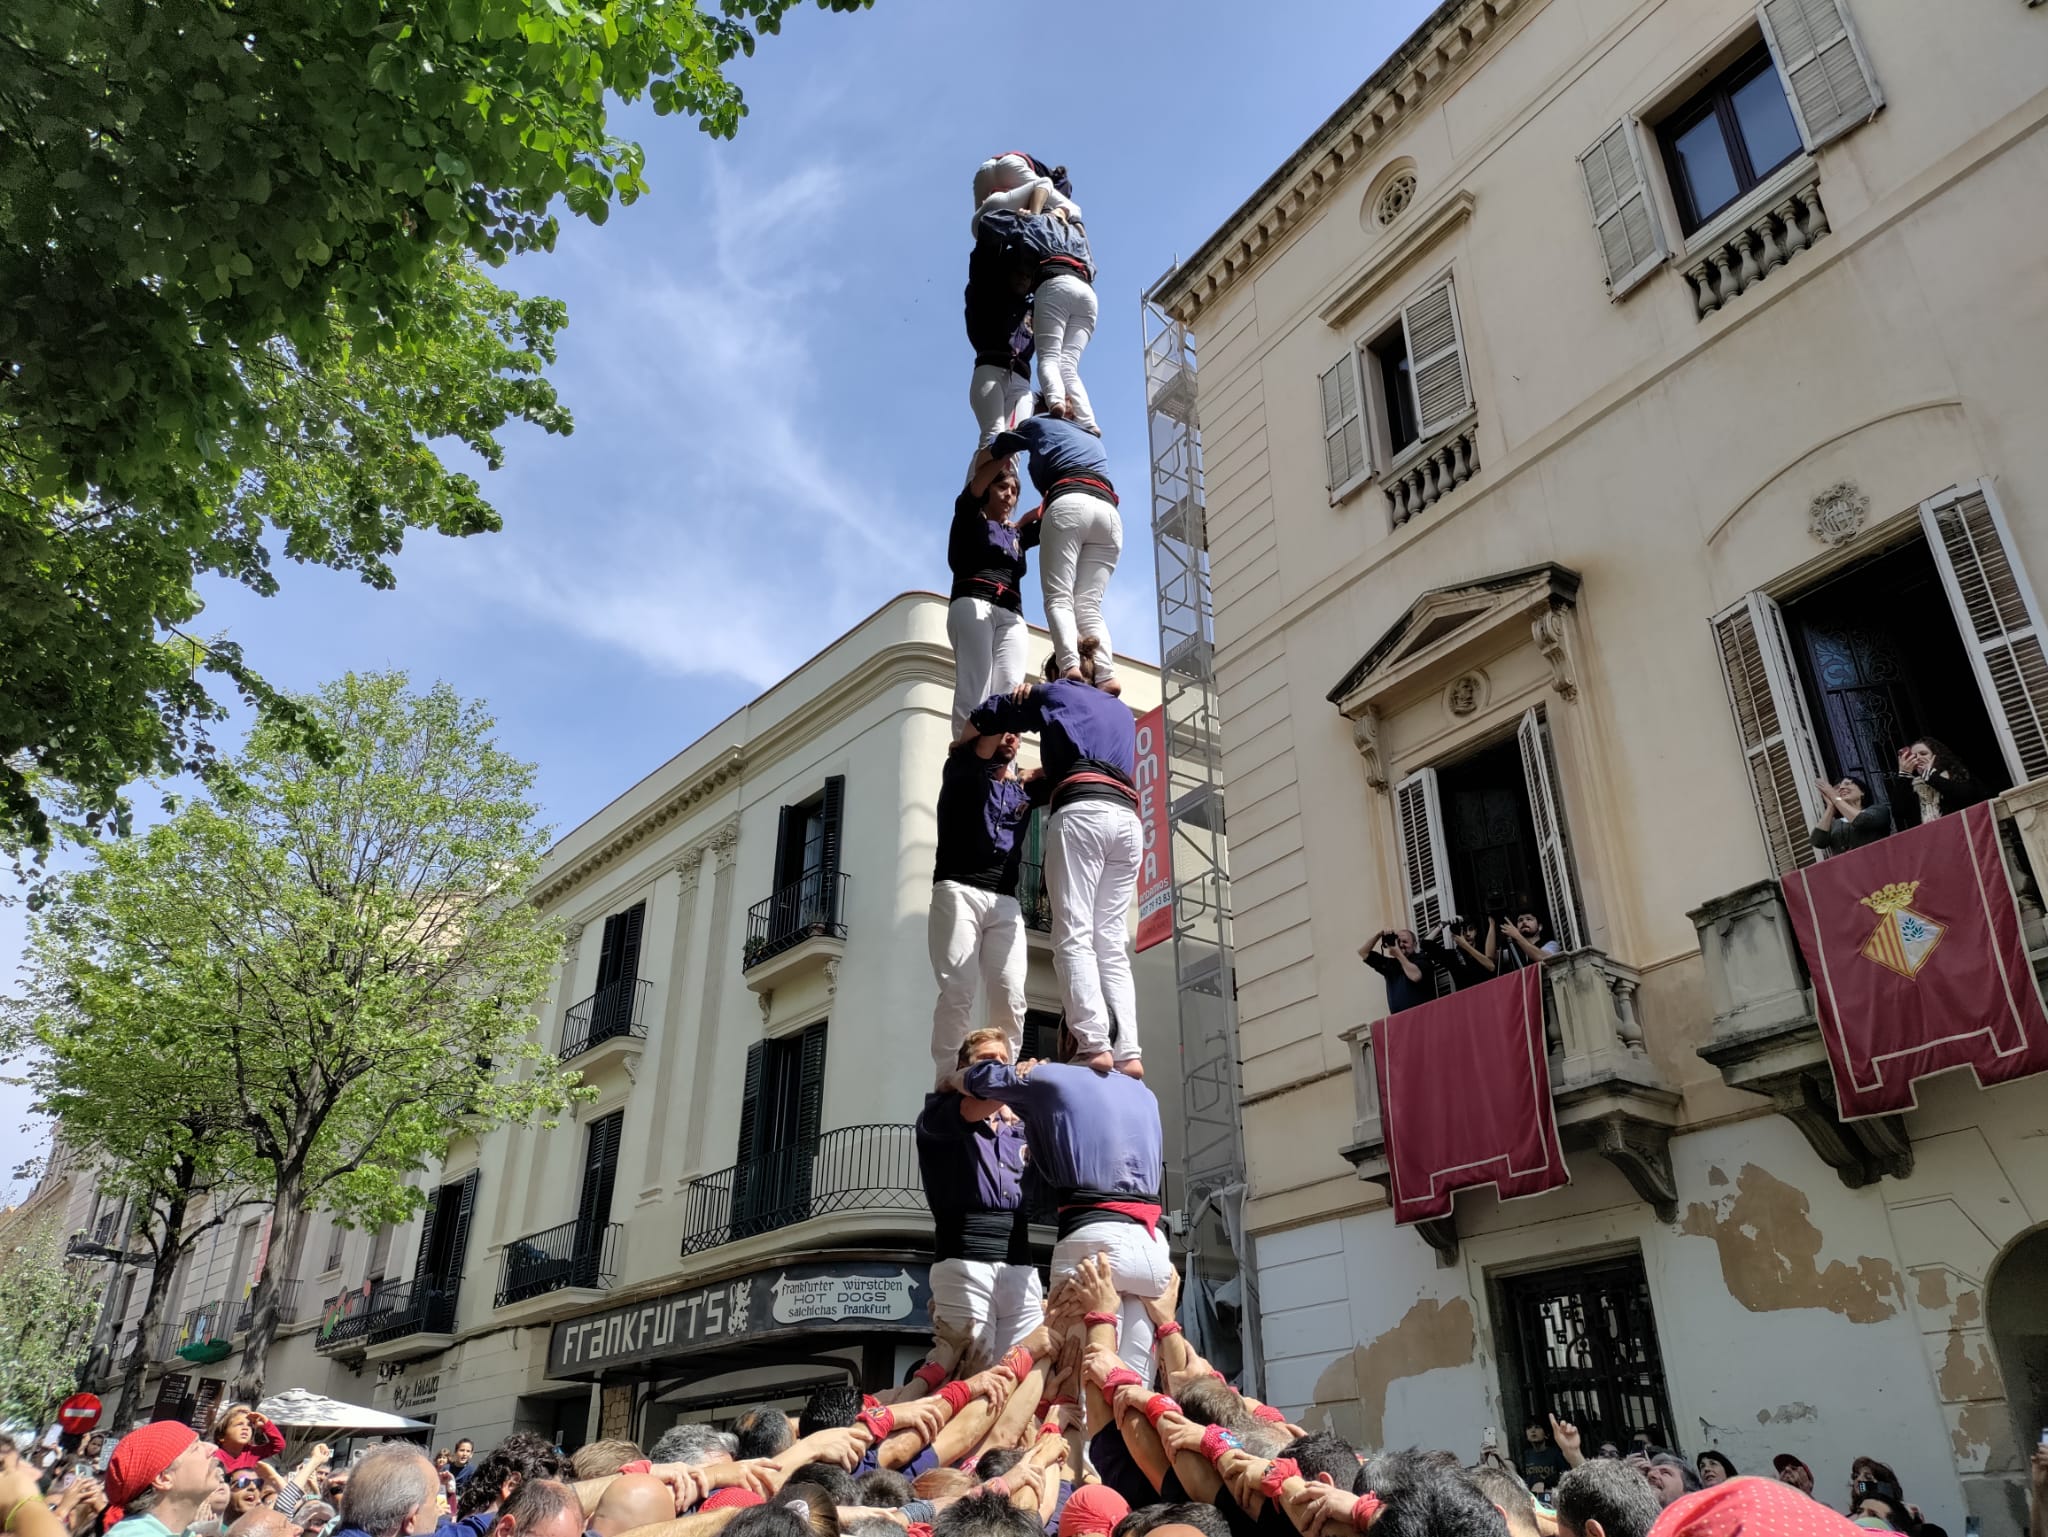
[380, 1253]
[1581, 1343]
[337, 1235]
[1389, 355]
[779, 1131]
[1728, 138]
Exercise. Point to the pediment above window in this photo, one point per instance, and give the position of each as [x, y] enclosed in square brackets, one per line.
[1450, 628]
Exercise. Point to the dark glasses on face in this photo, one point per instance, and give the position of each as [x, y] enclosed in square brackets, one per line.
[246, 1483]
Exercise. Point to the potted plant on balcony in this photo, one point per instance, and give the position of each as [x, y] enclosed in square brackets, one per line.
[755, 952]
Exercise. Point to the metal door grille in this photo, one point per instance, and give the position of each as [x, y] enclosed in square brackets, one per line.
[1586, 1341]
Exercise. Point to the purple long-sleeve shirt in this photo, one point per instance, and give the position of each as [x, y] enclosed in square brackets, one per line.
[1091, 1131]
[973, 1175]
[1080, 729]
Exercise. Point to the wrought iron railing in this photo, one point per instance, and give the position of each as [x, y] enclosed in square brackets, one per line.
[616, 1009]
[345, 1317]
[414, 1307]
[204, 1325]
[575, 1254]
[855, 1168]
[806, 909]
[1033, 897]
[287, 1307]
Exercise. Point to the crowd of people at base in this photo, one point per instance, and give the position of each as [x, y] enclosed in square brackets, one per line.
[1931, 781]
[1060, 1437]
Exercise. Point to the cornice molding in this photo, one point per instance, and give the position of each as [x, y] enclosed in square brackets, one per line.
[1391, 97]
[909, 663]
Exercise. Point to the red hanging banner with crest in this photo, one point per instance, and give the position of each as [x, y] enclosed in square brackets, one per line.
[1918, 963]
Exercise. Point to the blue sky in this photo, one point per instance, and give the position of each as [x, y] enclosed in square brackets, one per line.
[769, 377]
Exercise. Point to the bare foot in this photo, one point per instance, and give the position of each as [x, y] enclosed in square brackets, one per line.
[1111, 687]
[1073, 675]
[1100, 1062]
[1131, 1067]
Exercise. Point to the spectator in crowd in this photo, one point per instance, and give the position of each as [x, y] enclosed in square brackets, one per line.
[547, 1507]
[314, 1517]
[1935, 780]
[441, 1461]
[1751, 1507]
[1849, 817]
[1605, 1498]
[596, 1459]
[159, 1480]
[1520, 943]
[1408, 970]
[242, 1438]
[1792, 1471]
[700, 1446]
[391, 1492]
[1714, 1467]
[520, 1456]
[462, 1461]
[762, 1431]
[1540, 1458]
[1460, 942]
[1671, 1476]
[629, 1501]
[1514, 1499]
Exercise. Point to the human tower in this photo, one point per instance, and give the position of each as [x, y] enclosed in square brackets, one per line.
[1085, 1127]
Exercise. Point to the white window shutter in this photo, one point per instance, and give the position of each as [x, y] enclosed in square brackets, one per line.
[1425, 868]
[1344, 452]
[1436, 359]
[1546, 811]
[1777, 738]
[1631, 235]
[2000, 620]
[1826, 73]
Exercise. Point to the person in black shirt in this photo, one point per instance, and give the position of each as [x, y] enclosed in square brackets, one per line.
[985, 616]
[1410, 973]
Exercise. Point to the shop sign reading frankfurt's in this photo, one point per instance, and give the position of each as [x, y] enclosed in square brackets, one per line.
[778, 1300]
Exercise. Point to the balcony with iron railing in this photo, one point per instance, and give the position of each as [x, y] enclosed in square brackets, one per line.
[577, 1255]
[287, 1307]
[854, 1168]
[202, 1333]
[796, 928]
[615, 1012]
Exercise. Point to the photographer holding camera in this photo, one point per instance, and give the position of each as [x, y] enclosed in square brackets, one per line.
[1409, 972]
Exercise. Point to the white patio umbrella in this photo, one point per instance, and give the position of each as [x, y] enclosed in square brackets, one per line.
[314, 1415]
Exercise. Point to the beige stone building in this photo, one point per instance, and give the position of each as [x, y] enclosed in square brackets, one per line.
[1619, 414]
[736, 1215]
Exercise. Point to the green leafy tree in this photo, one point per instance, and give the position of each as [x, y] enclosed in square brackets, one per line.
[47, 1310]
[225, 220]
[338, 948]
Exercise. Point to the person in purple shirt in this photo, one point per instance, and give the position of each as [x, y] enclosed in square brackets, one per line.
[1095, 1138]
[974, 927]
[1082, 533]
[970, 1153]
[1088, 745]
[985, 614]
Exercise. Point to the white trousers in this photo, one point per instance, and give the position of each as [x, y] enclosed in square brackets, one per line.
[1093, 849]
[998, 1305]
[1079, 540]
[990, 653]
[1062, 320]
[1141, 1265]
[976, 937]
[999, 397]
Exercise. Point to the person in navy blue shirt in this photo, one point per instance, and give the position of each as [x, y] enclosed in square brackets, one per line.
[1088, 744]
[985, 615]
[970, 1153]
[975, 927]
[1049, 255]
[1081, 533]
[999, 331]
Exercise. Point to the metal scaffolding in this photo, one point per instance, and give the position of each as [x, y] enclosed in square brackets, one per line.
[1218, 1262]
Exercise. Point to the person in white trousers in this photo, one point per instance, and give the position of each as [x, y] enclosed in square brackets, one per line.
[1095, 1138]
[1094, 847]
[1080, 533]
[1049, 255]
[970, 1153]
[985, 617]
[975, 927]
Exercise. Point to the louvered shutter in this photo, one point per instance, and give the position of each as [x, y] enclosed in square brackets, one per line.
[423, 1266]
[1826, 73]
[1436, 360]
[746, 1157]
[631, 922]
[1344, 455]
[600, 1174]
[608, 951]
[2000, 620]
[1553, 848]
[831, 842]
[458, 1240]
[1631, 235]
[1770, 720]
[810, 1105]
[1425, 868]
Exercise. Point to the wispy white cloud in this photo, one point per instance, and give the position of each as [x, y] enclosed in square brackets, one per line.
[737, 533]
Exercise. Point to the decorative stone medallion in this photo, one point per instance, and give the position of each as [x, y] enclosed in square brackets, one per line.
[1464, 694]
[1837, 514]
[1394, 198]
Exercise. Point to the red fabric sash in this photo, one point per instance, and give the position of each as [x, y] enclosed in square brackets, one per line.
[1138, 1211]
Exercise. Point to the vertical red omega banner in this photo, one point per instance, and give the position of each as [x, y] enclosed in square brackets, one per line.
[1155, 873]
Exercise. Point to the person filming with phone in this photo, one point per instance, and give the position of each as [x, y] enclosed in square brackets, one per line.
[1409, 971]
